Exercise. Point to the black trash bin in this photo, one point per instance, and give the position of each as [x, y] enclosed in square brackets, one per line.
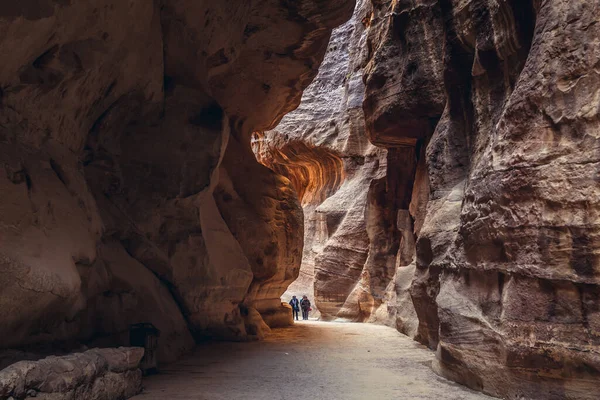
[145, 335]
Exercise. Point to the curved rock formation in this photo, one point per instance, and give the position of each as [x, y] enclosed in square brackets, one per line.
[315, 173]
[504, 97]
[129, 189]
[350, 240]
[445, 158]
[479, 237]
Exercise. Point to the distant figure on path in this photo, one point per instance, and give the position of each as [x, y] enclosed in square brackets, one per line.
[295, 307]
[305, 304]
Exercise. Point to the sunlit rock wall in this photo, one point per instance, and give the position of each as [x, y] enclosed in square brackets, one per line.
[129, 189]
[351, 242]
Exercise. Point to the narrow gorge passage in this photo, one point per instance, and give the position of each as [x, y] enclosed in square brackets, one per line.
[173, 171]
[310, 360]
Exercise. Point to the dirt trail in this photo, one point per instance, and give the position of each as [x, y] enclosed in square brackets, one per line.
[312, 360]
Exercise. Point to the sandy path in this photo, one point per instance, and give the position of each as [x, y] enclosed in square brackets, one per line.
[312, 360]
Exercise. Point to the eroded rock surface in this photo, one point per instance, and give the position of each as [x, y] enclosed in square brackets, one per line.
[477, 234]
[129, 189]
[445, 159]
[322, 148]
[97, 374]
[503, 95]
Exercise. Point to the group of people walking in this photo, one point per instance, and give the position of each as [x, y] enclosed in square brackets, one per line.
[297, 305]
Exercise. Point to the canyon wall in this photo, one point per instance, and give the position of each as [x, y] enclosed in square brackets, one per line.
[359, 253]
[129, 189]
[476, 231]
[322, 148]
[445, 159]
[501, 100]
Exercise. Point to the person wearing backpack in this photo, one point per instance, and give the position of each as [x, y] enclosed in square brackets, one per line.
[305, 305]
[295, 307]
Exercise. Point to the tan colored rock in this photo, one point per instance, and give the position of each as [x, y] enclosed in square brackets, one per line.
[264, 215]
[278, 318]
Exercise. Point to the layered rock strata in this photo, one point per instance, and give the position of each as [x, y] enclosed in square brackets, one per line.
[129, 189]
[500, 99]
[321, 147]
[130, 192]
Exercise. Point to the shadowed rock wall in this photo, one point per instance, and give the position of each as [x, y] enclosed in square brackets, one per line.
[503, 97]
[129, 189]
[130, 192]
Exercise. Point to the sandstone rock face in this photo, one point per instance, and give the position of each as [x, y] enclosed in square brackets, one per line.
[97, 374]
[129, 189]
[499, 101]
[445, 159]
[322, 148]
[477, 233]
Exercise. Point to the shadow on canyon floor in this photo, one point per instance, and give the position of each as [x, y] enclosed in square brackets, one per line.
[311, 360]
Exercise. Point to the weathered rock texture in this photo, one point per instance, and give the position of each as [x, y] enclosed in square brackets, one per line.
[480, 238]
[97, 374]
[498, 103]
[322, 148]
[130, 192]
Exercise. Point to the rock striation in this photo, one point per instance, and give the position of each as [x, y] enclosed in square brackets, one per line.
[322, 148]
[499, 100]
[97, 374]
[475, 233]
[358, 260]
[130, 192]
[440, 170]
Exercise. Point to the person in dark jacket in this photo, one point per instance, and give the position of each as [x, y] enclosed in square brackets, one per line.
[305, 305]
[295, 307]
